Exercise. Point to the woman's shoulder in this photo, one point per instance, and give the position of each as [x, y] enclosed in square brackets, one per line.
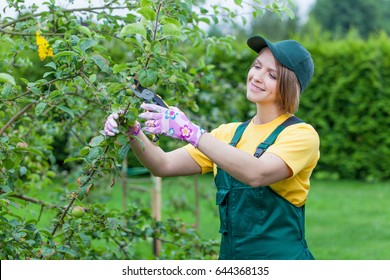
[303, 131]
[304, 127]
[225, 131]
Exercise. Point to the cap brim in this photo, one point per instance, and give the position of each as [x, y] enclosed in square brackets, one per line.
[257, 43]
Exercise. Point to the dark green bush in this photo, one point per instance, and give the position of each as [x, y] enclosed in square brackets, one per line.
[348, 102]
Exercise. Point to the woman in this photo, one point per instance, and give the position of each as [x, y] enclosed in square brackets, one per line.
[262, 167]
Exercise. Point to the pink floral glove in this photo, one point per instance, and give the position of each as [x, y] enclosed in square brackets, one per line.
[171, 122]
[111, 126]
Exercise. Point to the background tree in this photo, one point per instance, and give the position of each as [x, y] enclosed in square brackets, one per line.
[273, 28]
[366, 16]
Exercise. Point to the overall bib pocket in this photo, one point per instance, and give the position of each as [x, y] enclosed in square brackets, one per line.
[246, 210]
[221, 201]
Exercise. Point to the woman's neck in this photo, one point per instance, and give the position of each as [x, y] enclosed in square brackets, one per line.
[266, 114]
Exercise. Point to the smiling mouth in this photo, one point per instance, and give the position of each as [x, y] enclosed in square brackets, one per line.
[253, 86]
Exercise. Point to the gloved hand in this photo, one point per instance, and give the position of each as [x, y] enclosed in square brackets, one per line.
[111, 125]
[171, 122]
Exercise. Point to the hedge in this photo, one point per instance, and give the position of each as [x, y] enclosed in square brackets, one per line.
[348, 102]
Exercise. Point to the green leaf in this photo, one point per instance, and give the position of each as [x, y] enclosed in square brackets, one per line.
[171, 30]
[55, 93]
[64, 53]
[67, 250]
[92, 78]
[85, 239]
[290, 13]
[84, 190]
[96, 141]
[6, 188]
[205, 20]
[94, 153]
[86, 44]
[119, 68]
[147, 77]
[47, 252]
[182, 60]
[70, 159]
[52, 65]
[174, 21]
[101, 62]
[147, 13]
[24, 80]
[113, 223]
[46, 233]
[35, 151]
[84, 151]
[39, 108]
[84, 29]
[7, 78]
[133, 28]
[48, 74]
[6, 90]
[123, 151]
[66, 110]
[115, 87]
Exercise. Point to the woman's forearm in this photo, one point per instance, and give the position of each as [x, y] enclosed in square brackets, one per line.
[246, 168]
[163, 164]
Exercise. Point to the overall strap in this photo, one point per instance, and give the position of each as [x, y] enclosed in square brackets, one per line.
[239, 131]
[271, 139]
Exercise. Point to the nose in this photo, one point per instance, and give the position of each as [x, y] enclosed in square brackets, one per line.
[259, 75]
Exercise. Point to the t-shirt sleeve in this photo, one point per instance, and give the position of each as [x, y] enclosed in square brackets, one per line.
[298, 146]
[224, 133]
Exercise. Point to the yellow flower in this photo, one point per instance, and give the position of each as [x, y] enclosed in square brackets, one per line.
[44, 49]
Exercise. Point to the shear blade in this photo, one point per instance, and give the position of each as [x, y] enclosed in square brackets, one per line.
[147, 94]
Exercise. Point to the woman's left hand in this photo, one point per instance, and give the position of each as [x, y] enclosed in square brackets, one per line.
[171, 122]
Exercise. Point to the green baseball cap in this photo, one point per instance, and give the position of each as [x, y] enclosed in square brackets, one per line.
[290, 54]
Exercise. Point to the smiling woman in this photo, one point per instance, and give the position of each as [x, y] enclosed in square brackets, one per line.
[260, 166]
[51, 106]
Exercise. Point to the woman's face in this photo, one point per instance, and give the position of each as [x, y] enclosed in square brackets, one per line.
[262, 79]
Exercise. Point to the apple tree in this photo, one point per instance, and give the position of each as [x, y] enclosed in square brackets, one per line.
[63, 70]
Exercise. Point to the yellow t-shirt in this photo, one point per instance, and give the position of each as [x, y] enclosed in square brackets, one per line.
[298, 145]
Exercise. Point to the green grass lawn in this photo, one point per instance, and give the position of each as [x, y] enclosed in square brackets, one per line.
[345, 220]
[349, 220]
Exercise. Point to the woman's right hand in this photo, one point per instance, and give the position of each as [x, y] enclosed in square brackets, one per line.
[111, 125]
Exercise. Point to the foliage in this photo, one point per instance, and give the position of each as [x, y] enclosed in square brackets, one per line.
[273, 28]
[53, 107]
[366, 16]
[348, 104]
[22, 239]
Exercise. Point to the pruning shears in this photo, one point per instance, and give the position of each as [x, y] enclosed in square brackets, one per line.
[148, 96]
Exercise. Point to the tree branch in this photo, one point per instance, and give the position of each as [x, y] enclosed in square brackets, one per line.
[33, 200]
[87, 9]
[2, 30]
[14, 118]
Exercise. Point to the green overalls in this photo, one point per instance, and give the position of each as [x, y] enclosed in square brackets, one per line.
[257, 223]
